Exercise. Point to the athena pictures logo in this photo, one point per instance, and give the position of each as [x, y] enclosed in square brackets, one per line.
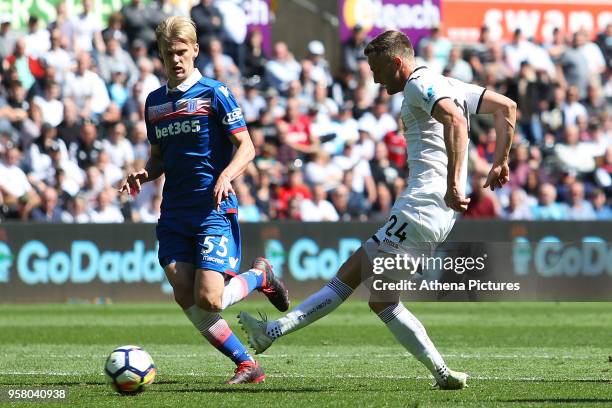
[6, 261]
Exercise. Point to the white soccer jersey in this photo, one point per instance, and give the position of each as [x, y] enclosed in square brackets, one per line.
[427, 158]
[419, 213]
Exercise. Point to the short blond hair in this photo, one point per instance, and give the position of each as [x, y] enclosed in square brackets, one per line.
[176, 28]
[391, 43]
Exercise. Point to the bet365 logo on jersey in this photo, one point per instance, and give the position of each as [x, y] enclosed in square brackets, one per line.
[176, 128]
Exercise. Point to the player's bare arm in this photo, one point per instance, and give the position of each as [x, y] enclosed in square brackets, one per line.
[504, 114]
[245, 153]
[456, 141]
[153, 170]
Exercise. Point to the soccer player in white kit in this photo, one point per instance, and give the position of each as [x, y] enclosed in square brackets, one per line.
[435, 112]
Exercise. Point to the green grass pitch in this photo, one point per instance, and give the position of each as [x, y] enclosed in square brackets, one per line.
[517, 355]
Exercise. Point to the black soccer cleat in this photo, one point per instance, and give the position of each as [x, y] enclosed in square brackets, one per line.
[247, 372]
[272, 287]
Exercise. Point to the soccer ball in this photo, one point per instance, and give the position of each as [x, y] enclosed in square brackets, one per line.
[130, 369]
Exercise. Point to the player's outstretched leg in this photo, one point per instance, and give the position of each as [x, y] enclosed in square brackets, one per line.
[409, 331]
[260, 277]
[261, 334]
[208, 322]
[215, 329]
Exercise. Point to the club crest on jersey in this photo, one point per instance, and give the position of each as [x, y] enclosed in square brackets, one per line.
[157, 111]
[199, 105]
[430, 94]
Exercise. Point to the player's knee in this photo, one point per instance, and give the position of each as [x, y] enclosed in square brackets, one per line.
[208, 303]
[378, 306]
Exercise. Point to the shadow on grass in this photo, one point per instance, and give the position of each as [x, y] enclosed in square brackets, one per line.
[240, 389]
[560, 400]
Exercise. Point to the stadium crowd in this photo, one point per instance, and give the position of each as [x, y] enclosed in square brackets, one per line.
[329, 144]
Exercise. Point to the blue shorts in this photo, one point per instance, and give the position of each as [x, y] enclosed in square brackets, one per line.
[211, 241]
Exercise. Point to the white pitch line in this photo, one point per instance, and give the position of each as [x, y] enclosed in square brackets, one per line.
[322, 356]
[334, 376]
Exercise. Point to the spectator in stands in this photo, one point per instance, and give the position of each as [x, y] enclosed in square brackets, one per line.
[74, 176]
[16, 190]
[572, 109]
[574, 66]
[58, 57]
[252, 104]
[294, 131]
[321, 69]
[24, 65]
[37, 41]
[119, 148]
[352, 49]
[458, 67]
[149, 80]
[139, 24]
[151, 211]
[87, 148]
[86, 31]
[106, 211]
[116, 59]
[547, 209]
[208, 21]
[255, 58]
[264, 195]
[440, 46]
[7, 36]
[483, 203]
[321, 171]
[86, 89]
[48, 210]
[381, 167]
[37, 157]
[248, 211]
[115, 30]
[76, 212]
[294, 187]
[579, 208]
[604, 40]
[572, 154]
[518, 207]
[216, 64]
[282, 68]
[429, 60]
[318, 208]
[379, 121]
[111, 173]
[601, 208]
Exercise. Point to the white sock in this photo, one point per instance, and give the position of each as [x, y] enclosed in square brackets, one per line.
[202, 320]
[313, 308]
[409, 331]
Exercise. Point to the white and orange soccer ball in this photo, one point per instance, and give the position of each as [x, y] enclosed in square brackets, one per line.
[130, 369]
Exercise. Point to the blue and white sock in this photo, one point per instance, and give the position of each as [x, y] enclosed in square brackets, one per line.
[312, 309]
[215, 329]
[240, 286]
[409, 331]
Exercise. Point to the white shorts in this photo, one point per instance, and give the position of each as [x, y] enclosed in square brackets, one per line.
[415, 227]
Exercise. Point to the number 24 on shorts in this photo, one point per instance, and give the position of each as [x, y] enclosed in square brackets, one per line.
[399, 232]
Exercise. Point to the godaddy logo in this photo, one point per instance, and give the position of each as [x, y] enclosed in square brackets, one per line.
[6, 261]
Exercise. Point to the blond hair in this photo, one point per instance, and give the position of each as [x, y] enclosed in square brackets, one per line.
[391, 43]
[175, 28]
